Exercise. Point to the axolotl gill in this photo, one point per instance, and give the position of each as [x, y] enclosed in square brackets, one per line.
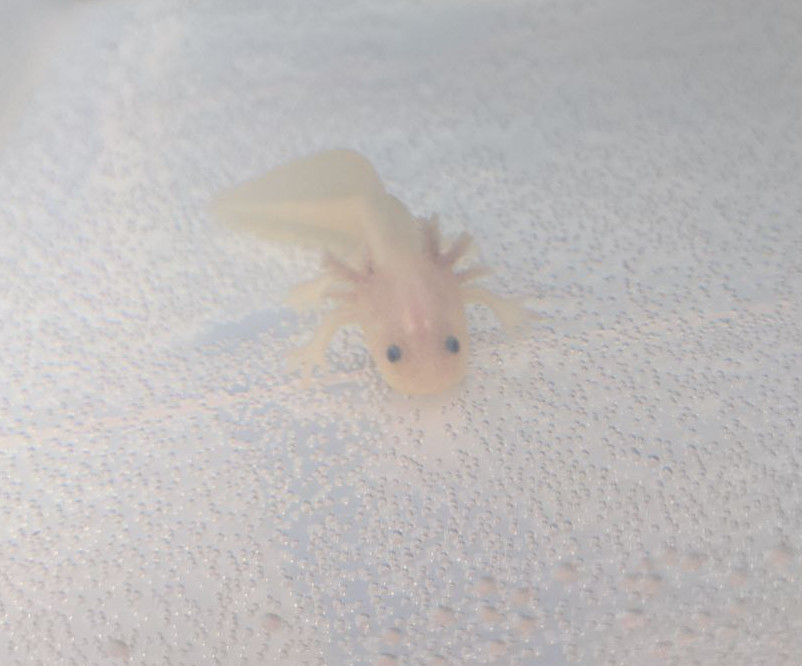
[385, 269]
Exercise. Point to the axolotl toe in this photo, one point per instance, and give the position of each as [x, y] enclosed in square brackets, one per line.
[384, 269]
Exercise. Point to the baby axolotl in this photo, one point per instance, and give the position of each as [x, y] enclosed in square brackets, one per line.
[385, 269]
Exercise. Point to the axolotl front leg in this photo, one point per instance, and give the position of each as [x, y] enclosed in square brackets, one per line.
[313, 293]
[509, 311]
[309, 356]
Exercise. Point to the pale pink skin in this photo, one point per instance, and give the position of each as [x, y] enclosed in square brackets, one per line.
[384, 268]
[415, 304]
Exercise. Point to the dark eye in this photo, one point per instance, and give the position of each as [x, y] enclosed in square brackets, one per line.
[452, 344]
[393, 353]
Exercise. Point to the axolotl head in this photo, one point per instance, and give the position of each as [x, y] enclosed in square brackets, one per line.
[415, 328]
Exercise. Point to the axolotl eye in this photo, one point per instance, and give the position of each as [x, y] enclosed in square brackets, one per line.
[393, 353]
[452, 344]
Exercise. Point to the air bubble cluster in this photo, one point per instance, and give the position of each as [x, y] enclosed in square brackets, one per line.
[621, 484]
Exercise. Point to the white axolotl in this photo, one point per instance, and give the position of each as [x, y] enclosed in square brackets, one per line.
[386, 270]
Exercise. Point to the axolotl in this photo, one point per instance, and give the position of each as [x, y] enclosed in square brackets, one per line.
[387, 270]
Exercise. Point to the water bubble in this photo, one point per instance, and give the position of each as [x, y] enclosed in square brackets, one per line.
[490, 615]
[497, 648]
[780, 556]
[118, 649]
[567, 572]
[633, 618]
[486, 586]
[392, 636]
[693, 561]
[272, 623]
[445, 616]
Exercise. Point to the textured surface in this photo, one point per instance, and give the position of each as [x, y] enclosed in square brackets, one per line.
[621, 487]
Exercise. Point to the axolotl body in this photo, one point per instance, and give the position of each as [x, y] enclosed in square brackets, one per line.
[385, 269]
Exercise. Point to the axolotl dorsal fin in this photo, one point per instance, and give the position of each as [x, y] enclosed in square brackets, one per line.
[332, 200]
